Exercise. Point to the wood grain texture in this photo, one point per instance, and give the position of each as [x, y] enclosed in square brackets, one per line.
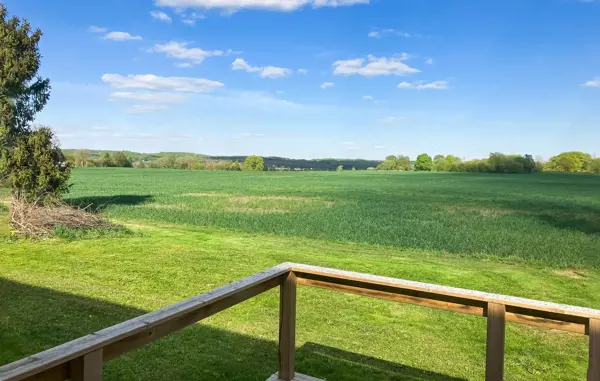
[494, 357]
[287, 327]
[527, 307]
[594, 362]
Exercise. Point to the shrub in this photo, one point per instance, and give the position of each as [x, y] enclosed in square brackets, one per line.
[36, 167]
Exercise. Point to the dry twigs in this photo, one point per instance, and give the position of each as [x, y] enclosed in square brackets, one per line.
[31, 219]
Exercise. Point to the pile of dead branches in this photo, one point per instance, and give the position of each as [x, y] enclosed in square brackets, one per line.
[35, 220]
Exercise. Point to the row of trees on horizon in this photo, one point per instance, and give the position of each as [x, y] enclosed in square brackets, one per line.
[82, 158]
[573, 161]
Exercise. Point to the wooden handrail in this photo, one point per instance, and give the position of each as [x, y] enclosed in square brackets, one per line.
[82, 359]
[54, 363]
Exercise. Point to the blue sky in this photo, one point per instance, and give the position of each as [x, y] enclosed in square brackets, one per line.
[322, 78]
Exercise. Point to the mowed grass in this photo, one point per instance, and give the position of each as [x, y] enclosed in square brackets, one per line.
[195, 231]
[552, 219]
[54, 291]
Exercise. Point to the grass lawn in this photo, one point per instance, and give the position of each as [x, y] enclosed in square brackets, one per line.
[58, 290]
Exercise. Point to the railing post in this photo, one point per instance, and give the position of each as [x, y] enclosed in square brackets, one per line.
[287, 326]
[87, 367]
[594, 361]
[494, 360]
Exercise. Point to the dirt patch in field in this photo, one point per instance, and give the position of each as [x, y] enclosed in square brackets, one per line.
[488, 212]
[257, 210]
[243, 199]
[164, 206]
[248, 199]
[206, 194]
[572, 274]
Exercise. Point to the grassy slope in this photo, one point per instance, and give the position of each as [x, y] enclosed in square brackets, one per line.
[548, 218]
[55, 291]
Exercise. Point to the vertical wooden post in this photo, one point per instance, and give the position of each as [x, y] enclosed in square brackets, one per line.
[494, 360]
[287, 326]
[87, 367]
[594, 361]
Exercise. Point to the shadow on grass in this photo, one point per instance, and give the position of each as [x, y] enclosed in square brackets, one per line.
[33, 319]
[99, 203]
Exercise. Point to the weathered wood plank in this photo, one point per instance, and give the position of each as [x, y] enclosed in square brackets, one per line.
[448, 306]
[120, 347]
[522, 306]
[287, 327]
[594, 361]
[61, 354]
[87, 367]
[494, 357]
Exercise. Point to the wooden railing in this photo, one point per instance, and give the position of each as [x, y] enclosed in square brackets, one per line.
[82, 359]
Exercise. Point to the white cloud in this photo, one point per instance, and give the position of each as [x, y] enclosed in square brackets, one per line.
[593, 83]
[429, 61]
[120, 36]
[368, 98]
[379, 147]
[161, 16]
[383, 32]
[191, 56]
[191, 18]
[97, 29]
[375, 66]
[264, 71]
[327, 85]
[257, 100]
[231, 6]
[280, 92]
[145, 109]
[149, 97]
[422, 85]
[302, 71]
[153, 82]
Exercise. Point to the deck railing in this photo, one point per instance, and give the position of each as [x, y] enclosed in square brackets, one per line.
[82, 359]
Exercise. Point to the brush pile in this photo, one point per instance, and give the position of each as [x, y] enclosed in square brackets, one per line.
[35, 220]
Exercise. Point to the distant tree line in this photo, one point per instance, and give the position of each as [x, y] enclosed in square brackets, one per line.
[83, 158]
[284, 164]
[495, 163]
[92, 158]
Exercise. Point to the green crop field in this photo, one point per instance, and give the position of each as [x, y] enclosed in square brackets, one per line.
[550, 218]
[535, 236]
